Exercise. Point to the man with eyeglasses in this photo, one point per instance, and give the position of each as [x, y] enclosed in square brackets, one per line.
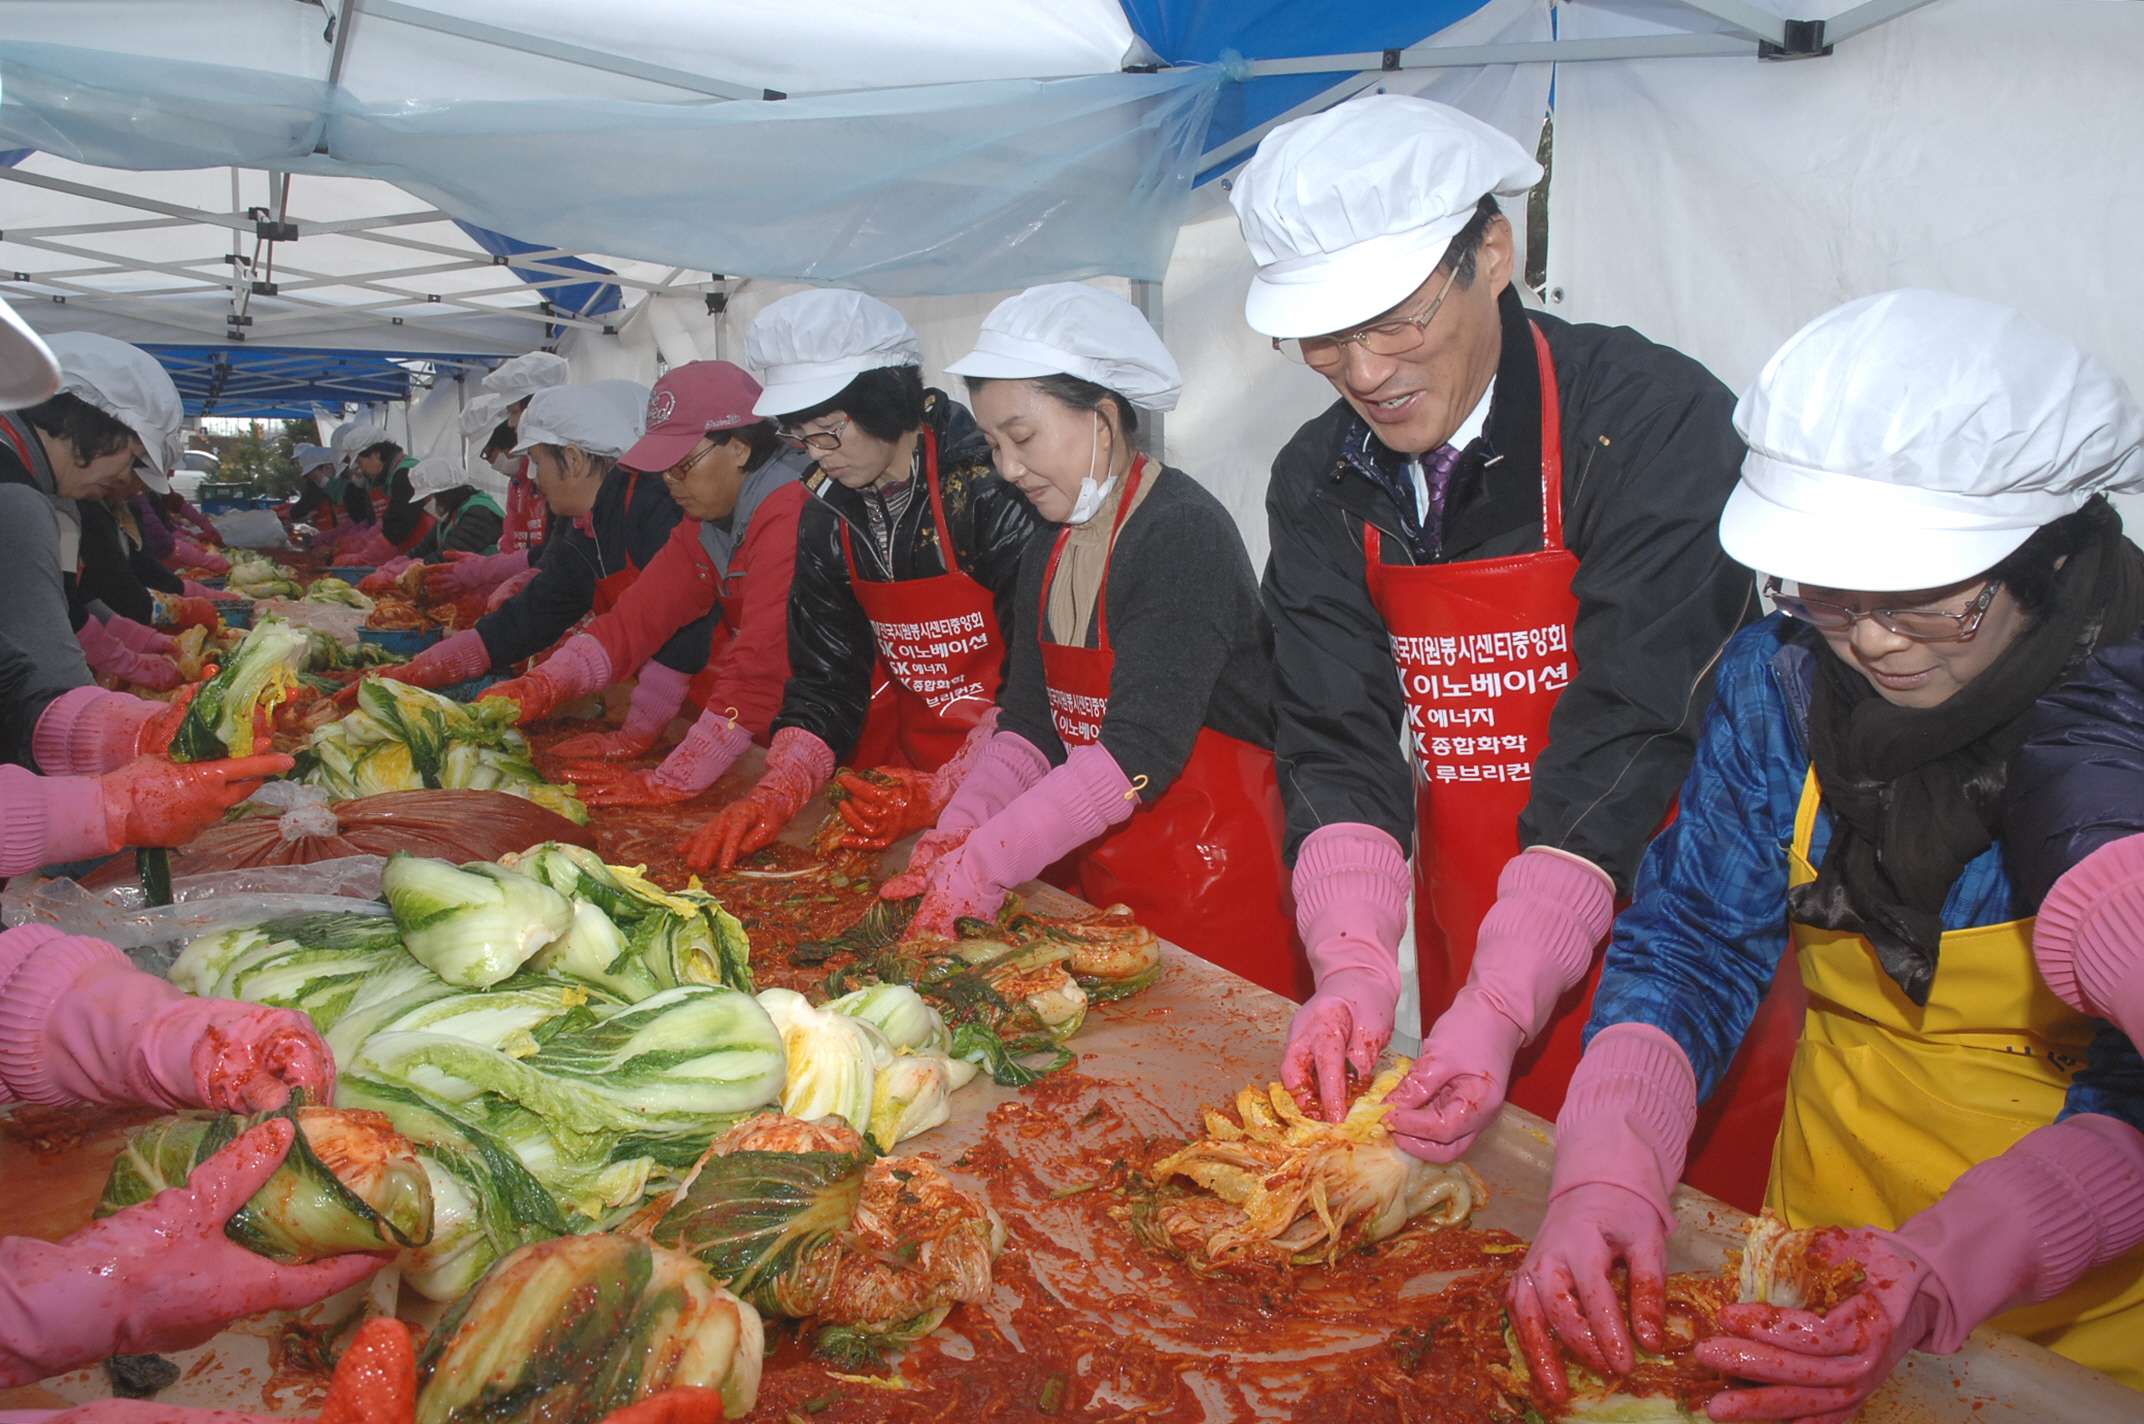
[907, 554]
[1499, 545]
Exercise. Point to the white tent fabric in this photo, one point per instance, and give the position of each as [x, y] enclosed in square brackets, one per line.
[1980, 146]
[967, 144]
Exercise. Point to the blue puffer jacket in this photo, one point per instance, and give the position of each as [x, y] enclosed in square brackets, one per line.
[1696, 951]
[2078, 782]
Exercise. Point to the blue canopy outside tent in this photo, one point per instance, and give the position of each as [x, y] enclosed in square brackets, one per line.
[273, 382]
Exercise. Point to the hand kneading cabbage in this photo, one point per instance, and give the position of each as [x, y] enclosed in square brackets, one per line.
[1280, 1187]
[350, 1183]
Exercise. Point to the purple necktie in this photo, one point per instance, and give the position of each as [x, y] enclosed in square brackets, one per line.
[1437, 477]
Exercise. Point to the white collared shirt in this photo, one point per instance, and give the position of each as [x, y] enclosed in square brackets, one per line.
[1468, 432]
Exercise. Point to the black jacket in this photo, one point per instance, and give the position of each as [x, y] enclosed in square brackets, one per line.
[633, 517]
[2078, 781]
[473, 530]
[831, 650]
[1649, 456]
[25, 691]
[1192, 647]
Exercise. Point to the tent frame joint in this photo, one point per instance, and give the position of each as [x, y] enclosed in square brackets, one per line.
[1801, 39]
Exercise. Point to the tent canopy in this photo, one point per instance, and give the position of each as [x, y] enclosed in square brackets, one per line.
[478, 177]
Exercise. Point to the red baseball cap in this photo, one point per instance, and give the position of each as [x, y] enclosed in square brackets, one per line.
[686, 404]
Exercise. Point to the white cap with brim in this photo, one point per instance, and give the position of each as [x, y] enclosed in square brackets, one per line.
[435, 474]
[526, 375]
[1915, 439]
[809, 346]
[129, 385]
[1348, 211]
[1068, 328]
[311, 457]
[29, 373]
[578, 416]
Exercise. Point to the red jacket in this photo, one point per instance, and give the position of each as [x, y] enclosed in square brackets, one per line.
[749, 662]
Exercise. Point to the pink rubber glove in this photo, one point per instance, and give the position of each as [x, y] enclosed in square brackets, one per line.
[156, 1277]
[1535, 943]
[2017, 1228]
[1008, 766]
[450, 660]
[371, 547]
[798, 764]
[506, 592]
[111, 657]
[87, 731]
[202, 590]
[141, 638]
[1620, 1142]
[657, 698]
[383, 576]
[698, 762]
[2089, 938]
[465, 572]
[190, 555]
[1351, 909]
[1069, 807]
[878, 814]
[579, 667]
[80, 1024]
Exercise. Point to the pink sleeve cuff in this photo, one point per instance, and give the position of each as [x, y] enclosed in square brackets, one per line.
[1009, 765]
[50, 820]
[579, 667]
[460, 657]
[87, 731]
[804, 749]
[657, 695]
[28, 1067]
[1628, 1116]
[2024, 1226]
[1552, 908]
[1351, 885]
[2089, 937]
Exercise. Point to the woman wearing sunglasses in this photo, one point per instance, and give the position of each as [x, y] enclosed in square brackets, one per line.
[1925, 487]
[907, 551]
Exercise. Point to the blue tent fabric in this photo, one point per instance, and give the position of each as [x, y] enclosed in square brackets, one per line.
[1211, 31]
[286, 382]
[582, 299]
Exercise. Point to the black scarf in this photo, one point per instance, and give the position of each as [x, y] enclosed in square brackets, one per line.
[1915, 793]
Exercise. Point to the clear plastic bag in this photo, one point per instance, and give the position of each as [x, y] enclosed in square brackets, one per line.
[153, 937]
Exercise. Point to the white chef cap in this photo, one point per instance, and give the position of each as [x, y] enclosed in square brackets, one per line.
[1348, 211]
[436, 474]
[29, 373]
[1914, 439]
[580, 416]
[526, 375]
[312, 457]
[631, 397]
[482, 415]
[808, 346]
[1076, 330]
[127, 384]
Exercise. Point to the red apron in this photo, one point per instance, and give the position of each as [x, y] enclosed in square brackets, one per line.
[526, 512]
[938, 640]
[1483, 650]
[1201, 863]
[701, 689]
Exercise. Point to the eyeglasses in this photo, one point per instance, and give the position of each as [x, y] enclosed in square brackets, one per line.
[1385, 338]
[1922, 625]
[683, 469]
[816, 439]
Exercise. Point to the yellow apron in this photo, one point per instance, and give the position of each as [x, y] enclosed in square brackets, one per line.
[1888, 1101]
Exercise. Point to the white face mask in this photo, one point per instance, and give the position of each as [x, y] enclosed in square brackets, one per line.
[1091, 494]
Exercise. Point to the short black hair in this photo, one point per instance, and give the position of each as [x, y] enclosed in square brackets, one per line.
[501, 440]
[88, 431]
[762, 437]
[2031, 570]
[390, 454]
[1077, 394]
[1459, 255]
[885, 403]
